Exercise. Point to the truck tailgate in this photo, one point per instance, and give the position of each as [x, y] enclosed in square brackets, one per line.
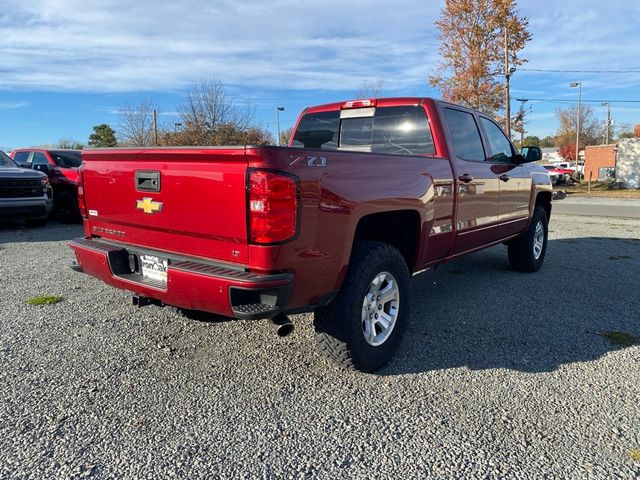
[186, 200]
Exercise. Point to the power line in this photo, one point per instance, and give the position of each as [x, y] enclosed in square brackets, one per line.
[562, 100]
[575, 71]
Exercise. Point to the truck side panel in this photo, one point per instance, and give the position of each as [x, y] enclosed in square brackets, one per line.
[338, 189]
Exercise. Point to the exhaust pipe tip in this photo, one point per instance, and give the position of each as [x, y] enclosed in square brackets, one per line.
[282, 324]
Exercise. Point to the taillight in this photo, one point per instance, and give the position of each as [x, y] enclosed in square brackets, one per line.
[273, 206]
[81, 204]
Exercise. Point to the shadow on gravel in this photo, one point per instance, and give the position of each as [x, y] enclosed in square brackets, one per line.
[16, 232]
[476, 313]
[204, 317]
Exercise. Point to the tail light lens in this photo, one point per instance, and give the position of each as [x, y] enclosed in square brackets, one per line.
[273, 206]
[81, 204]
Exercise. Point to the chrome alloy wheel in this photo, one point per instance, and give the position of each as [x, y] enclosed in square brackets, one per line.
[538, 240]
[380, 309]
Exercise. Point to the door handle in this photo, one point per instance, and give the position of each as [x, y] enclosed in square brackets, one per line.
[466, 178]
[504, 177]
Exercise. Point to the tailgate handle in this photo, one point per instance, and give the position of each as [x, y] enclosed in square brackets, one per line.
[148, 181]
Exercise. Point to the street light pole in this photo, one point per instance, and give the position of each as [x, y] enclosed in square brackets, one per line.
[278, 110]
[579, 85]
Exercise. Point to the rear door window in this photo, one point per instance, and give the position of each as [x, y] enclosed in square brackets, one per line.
[39, 159]
[464, 135]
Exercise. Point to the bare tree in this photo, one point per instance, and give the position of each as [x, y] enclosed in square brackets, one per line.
[370, 89]
[590, 127]
[208, 106]
[285, 135]
[136, 124]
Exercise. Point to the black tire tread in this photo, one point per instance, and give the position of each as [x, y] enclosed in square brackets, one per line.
[519, 249]
[331, 331]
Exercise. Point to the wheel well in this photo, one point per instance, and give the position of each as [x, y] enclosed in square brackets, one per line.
[544, 200]
[400, 229]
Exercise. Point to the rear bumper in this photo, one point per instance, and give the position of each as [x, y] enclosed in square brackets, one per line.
[218, 289]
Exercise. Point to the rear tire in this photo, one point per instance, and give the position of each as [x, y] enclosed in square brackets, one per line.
[363, 327]
[527, 252]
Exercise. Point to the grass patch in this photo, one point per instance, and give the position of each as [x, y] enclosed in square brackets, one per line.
[635, 455]
[598, 189]
[619, 338]
[45, 300]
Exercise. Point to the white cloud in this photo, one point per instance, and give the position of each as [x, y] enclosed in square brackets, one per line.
[144, 45]
[13, 105]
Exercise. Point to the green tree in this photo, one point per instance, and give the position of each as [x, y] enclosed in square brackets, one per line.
[285, 135]
[102, 136]
[472, 51]
[548, 141]
[531, 141]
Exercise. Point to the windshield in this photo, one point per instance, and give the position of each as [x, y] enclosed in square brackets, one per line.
[66, 158]
[5, 161]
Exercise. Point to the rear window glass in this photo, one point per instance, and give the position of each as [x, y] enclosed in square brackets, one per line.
[66, 159]
[390, 130]
[318, 130]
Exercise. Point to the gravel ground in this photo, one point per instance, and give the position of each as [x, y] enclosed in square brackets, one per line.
[501, 375]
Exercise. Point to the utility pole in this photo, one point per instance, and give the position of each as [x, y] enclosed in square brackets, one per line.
[607, 128]
[507, 76]
[579, 85]
[508, 71]
[155, 127]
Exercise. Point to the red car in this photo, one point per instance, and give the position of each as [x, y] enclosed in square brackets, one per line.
[557, 174]
[62, 168]
[368, 193]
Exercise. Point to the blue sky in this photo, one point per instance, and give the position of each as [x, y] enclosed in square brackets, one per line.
[66, 65]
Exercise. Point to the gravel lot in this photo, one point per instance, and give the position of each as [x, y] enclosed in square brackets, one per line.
[501, 375]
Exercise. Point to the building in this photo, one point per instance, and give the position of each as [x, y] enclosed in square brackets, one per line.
[619, 162]
[600, 162]
[628, 162]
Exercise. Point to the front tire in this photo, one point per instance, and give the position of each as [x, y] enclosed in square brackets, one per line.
[527, 252]
[363, 327]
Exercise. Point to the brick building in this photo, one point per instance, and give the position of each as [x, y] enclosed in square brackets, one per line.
[600, 162]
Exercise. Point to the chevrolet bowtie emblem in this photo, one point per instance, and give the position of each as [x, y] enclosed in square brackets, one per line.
[147, 205]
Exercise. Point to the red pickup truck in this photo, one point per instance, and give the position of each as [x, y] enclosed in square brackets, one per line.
[367, 193]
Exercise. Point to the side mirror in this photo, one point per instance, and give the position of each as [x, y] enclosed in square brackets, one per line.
[41, 167]
[531, 154]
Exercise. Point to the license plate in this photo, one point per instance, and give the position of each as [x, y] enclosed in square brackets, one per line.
[154, 268]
